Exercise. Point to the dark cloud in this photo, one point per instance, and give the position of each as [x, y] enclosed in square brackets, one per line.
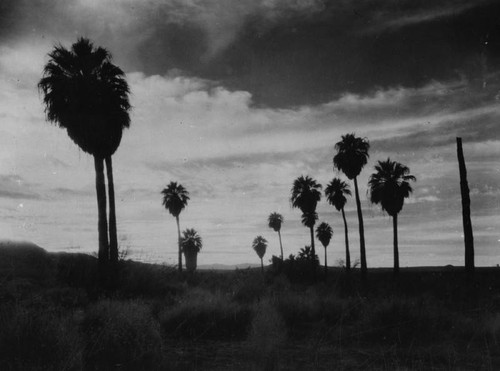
[284, 52]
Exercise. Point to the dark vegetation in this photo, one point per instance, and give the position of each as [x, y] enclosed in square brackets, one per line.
[54, 316]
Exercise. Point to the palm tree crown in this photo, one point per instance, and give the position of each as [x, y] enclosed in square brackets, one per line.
[309, 219]
[305, 194]
[274, 221]
[389, 186]
[191, 241]
[175, 198]
[87, 95]
[352, 155]
[324, 233]
[260, 245]
[336, 192]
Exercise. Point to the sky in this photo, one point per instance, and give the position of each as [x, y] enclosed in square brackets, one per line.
[236, 99]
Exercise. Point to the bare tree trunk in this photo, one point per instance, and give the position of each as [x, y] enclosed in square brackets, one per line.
[262, 265]
[281, 246]
[396, 250]
[102, 224]
[113, 239]
[467, 224]
[361, 232]
[179, 243]
[347, 253]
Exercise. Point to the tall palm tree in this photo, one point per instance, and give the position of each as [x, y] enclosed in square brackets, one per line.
[191, 244]
[86, 94]
[336, 192]
[352, 156]
[324, 233]
[389, 187]
[175, 198]
[275, 221]
[259, 244]
[306, 193]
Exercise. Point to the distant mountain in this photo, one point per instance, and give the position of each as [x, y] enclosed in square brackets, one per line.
[227, 266]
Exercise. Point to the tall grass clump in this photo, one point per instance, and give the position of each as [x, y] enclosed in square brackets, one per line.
[267, 335]
[202, 314]
[37, 340]
[120, 334]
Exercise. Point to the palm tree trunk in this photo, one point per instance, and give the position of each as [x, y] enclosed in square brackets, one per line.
[347, 253]
[361, 232]
[396, 250]
[281, 246]
[313, 252]
[325, 264]
[113, 240]
[466, 221]
[262, 265]
[102, 224]
[179, 243]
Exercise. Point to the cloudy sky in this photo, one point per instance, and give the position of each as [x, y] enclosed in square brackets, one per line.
[235, 99]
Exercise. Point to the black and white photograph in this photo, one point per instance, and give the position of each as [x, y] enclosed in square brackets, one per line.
[249, 185]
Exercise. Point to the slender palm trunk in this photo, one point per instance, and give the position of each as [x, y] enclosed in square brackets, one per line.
[312, 241]
[361, 231]
[113, 240]
[262, 265]
[281, 246]
[102, 224]
[466, 221]
[396, 250]
[347, 253]
[179, 242]
[326, 265]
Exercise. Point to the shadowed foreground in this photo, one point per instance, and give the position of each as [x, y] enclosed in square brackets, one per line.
[53, 316]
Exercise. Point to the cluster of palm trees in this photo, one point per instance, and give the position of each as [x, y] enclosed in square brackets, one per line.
[86, 94]
[388, 186]
[175, 199]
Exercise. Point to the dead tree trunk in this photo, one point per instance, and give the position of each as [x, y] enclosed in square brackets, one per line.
[464, 188]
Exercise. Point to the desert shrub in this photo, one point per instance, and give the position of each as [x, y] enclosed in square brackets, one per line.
[77, 270]
[297, 268]
[249, 291]
[298, 308]
[141, 279]
[267, 335]
[24, 260]
[205, 315]
[120, 333]
[38, 340]
[403, 320]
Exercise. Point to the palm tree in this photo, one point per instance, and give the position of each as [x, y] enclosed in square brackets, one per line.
[389, 186]
[175, 198]
[306, 193]
[191, 244]
[274, 221]
[324, 233]
[87, 95]
[259, 244]
[352, 156]
[336, 193]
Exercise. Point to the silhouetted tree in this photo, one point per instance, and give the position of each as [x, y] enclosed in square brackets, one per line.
[336, 193]
[87, 95]
[324, 232]
[275, 221]
[352, 156]
[306, 193]
[191, 244]
[466, 221]
[175, 198]
[389, 187]
[259, 244]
